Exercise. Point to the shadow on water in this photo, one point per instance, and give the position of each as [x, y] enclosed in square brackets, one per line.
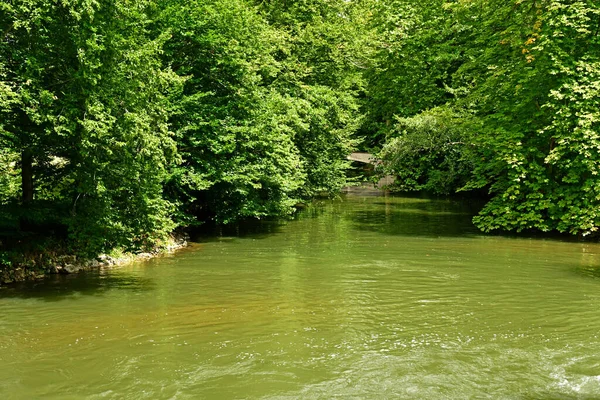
[589, 271]
[417, 217]
[411, 216]
[421, 216]
[254, 229]
[62, 287]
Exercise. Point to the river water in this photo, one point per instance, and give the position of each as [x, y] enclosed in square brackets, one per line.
[364, 297]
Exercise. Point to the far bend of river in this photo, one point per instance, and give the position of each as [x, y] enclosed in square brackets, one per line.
[364, 297]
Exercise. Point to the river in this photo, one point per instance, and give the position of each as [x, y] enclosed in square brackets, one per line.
[362, 297]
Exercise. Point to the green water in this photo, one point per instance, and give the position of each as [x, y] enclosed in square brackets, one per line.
[368, 297]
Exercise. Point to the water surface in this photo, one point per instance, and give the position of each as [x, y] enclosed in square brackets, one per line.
[365, 297]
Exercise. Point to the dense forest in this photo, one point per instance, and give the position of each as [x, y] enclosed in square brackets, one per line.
[122, 120]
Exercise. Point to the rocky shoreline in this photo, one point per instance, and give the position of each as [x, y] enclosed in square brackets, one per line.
[71, 264]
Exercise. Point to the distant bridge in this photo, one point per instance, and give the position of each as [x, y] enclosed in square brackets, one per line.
[367, 158]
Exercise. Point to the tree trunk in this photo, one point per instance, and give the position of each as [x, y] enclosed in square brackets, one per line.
[27, 176]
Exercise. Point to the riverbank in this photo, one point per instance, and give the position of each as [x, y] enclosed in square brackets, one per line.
[45, 263]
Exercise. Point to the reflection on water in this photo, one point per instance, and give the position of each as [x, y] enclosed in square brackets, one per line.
[61, 287]
[366, 297]
[416, 217]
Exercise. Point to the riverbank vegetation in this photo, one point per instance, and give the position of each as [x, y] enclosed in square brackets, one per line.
[122, 120]
[495, 97]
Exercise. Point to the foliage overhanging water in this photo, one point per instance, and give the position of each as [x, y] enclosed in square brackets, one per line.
[367, 297]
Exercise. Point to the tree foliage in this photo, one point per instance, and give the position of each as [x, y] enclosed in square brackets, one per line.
[526, 72]
[85, 104]
[430, 152]
[257, 127]
[122, 119]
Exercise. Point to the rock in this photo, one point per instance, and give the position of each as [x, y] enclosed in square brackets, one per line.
[72, 268]
[89, 264]
[106, 260]
[19, 274]
[70, 259]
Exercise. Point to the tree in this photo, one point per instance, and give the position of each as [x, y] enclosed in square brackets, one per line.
[545, 166]
[234, 131]
[431, 152]
[526, 76]
[262, 122]
[321, 69]
[85, 104]
[417, 49]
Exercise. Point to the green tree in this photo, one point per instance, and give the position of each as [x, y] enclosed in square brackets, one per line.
[431, 152]
[525, 76]
[321, 69]
[545, 161]
[266, 117]
[234, 130]
[84, 101]
[417, 48]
